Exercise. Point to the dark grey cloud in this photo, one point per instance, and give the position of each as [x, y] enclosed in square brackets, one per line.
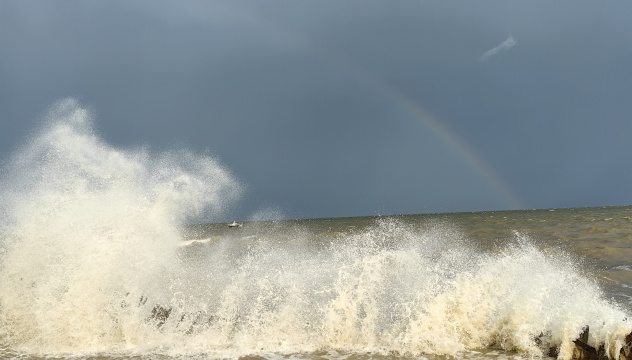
[299, 99]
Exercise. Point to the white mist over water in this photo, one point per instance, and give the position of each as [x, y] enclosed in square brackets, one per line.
[89, 245]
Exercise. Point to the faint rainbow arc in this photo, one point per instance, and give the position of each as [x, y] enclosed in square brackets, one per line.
[462, 150]
[452, 141]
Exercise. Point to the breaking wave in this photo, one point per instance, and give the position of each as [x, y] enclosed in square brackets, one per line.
[92, 262]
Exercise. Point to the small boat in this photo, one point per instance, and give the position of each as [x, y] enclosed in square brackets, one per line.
[235, 224]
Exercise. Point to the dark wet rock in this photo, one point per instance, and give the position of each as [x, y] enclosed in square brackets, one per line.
[583, 351]
[626, 350]
[159, 315]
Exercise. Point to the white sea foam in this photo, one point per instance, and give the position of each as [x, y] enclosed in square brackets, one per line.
[91, 255]
[86, 224]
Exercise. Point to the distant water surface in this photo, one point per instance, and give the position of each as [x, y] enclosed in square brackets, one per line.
[599, 238]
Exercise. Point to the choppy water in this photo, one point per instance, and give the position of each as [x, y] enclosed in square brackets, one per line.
[599, 239]
[93, 257]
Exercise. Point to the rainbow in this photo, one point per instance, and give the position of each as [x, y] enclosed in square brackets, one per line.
[462, 150]
[457, 146]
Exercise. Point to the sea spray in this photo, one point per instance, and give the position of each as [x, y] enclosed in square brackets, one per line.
[92, 262]
[89, 230]
[397, 289]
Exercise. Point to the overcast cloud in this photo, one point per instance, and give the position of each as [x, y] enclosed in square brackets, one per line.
[345, 108]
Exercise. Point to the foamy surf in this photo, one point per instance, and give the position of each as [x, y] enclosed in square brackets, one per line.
[93, 262]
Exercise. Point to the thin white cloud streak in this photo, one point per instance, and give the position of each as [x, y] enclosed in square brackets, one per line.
[503, 46]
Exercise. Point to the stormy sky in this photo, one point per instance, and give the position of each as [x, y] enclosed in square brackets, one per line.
[335, 108]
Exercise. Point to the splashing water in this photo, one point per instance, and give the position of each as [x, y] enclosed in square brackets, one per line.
[92, 262]
[87, 226]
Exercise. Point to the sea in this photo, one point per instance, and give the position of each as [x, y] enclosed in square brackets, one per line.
[101, 258]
